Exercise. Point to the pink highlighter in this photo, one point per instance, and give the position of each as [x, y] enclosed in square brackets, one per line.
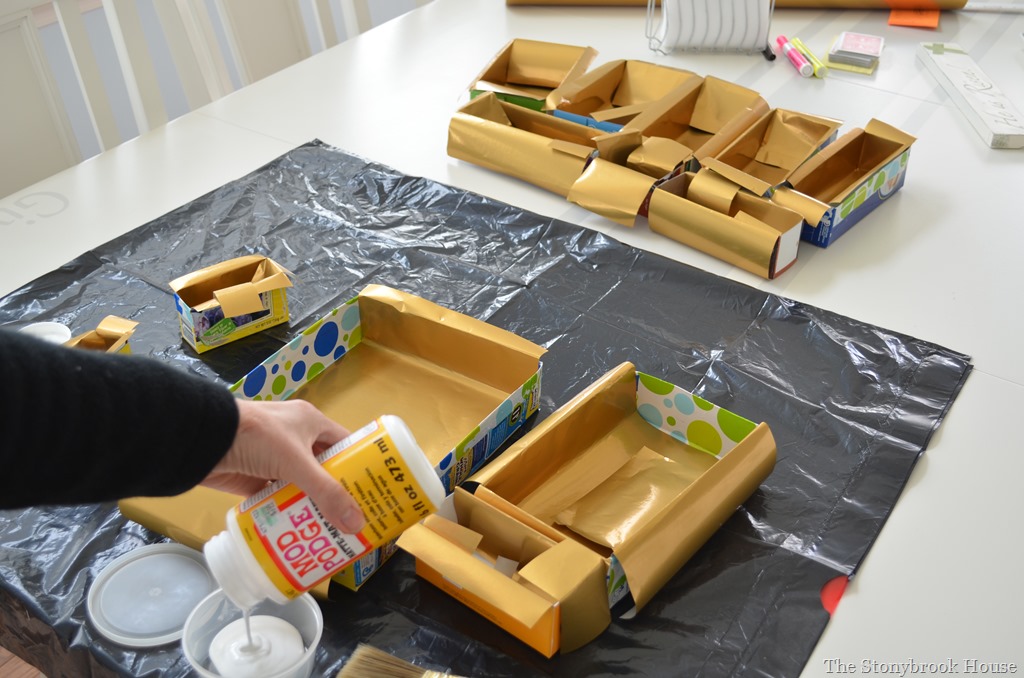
[799, 61]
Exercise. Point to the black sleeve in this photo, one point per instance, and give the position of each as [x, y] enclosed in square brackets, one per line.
[80, 426]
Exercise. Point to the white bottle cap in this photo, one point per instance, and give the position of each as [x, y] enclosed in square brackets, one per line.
[237, 571]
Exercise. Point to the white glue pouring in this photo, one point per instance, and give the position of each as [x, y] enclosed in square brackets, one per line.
[277, 545]
[255, 646]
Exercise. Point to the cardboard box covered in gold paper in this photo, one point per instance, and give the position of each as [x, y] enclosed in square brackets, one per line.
[618, 90]
[601, 502]
[713, 215]
[520, 142]
[843, 183]
[526, 71]
[231, 300]
[110, 336]
[767, 153]
[463, 387]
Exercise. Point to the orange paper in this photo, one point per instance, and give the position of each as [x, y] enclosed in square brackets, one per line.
[915, 18]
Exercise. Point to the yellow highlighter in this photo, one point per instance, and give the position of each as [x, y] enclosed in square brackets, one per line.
[820, 69]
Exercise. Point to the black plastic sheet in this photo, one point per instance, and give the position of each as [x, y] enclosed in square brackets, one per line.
[852, 407]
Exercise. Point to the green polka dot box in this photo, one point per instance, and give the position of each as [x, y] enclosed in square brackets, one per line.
[637, 470]
[462, 385]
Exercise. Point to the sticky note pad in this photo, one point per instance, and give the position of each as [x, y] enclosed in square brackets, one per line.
[915, 18]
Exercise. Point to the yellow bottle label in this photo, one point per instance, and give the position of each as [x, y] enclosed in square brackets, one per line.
[291, 540]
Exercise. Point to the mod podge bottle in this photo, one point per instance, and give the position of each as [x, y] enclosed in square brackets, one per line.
[277, 545]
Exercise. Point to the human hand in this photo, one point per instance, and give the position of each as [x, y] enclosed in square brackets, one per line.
[280, 440]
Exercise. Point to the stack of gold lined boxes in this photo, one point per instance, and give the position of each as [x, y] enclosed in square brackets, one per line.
[707, 162]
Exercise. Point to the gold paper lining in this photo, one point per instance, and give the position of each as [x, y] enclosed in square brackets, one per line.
[636, 493]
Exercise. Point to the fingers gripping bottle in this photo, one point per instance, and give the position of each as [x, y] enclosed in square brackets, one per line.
[277, 545]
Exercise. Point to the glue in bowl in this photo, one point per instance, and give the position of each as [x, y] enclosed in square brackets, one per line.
[216, 611]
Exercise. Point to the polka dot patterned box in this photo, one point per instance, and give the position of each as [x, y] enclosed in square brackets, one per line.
[636, 470]
[463, 386]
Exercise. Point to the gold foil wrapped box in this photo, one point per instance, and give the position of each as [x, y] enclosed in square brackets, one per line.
[527, 71]
[231, 300]
[110, 336]
[843, 183]
[599, 504]
[768, 152]
[462, 385]
[711, 214]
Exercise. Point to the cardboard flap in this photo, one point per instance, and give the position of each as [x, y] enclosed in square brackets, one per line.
[713, 191]
[617, 146]
[201, 288]
[619, 114]
[115, 327]
[463, 537]
[590, 91]
[538, 93]
[466, 571]
[878, 128]
[665, 116]
[212, 272]
[570, 148]
[575, 576]
[488, 108]
[485, 495]
[657, 157]
[245, 297]
[737, 176]
[810, 209]
[662, 546]
[613, 191]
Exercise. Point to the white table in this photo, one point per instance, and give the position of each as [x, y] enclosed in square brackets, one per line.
[941, 261]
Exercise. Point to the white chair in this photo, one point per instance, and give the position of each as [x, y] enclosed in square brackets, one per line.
[46, 127]
[36, 136]
[50, 120]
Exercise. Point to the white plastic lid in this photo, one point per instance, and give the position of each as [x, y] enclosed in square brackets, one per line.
[48, 331]
[143, 597]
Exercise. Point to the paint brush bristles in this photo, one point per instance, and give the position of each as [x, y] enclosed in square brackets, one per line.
[369, 662]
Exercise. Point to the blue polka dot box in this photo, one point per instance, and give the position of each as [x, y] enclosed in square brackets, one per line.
[637, 470]
[462, 385]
